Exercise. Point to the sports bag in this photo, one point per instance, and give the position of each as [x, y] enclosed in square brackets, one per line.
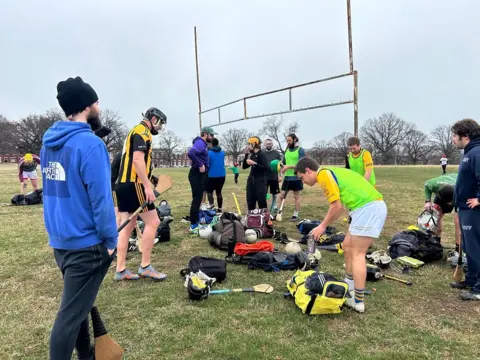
[245, 249]
[212, 267]
[277, 261]
[317, 293]
[18, 200]
[305, 226]
[228, 229]
[260, 221]
[34, 197]
[416, 244]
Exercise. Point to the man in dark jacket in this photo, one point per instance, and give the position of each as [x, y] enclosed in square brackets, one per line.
[272, 177]
[466, 135]
[198, 154]
[257, 180]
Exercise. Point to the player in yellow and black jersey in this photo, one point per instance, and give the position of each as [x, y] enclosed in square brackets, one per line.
[133, 188]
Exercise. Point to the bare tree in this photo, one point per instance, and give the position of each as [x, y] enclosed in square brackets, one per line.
[416, 146]
[384, 134]
[29, 130]
[339, 144]
[119, 130]
[442, 141]
[7, 128]
[170, 144]
[234, 141]
[320, 151]
[275, 128]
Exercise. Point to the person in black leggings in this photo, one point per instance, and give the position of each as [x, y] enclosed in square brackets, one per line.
[216, 173]
[257, 180]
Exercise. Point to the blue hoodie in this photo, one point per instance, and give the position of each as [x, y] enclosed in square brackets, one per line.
[468, 179]
[77, 194]
[216, 158]
[198, 153]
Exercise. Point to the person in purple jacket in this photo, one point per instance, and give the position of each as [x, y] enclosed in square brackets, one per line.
[198, 154]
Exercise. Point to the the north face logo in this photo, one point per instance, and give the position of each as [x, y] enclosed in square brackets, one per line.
[54, 171]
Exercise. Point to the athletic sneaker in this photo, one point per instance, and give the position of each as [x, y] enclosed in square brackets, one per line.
[294, 218]
[472, 295]
[125, 275]
[185, 219]
[193, 230]
[350, 302]
[150, 273]
[460, 285]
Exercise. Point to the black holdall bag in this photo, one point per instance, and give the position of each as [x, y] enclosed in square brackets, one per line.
[212, 267]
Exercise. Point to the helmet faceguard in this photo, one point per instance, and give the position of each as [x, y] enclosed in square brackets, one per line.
[159, 123]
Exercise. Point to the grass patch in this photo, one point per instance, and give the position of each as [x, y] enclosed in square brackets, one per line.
[157, 321]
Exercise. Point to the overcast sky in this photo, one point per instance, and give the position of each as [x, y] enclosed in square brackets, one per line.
[418, 59]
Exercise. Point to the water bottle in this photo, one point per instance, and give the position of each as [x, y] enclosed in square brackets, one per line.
[311, 244]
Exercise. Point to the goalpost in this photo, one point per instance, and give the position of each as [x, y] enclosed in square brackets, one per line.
[291, 108]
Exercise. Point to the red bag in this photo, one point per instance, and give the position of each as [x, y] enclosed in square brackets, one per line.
[245, 249]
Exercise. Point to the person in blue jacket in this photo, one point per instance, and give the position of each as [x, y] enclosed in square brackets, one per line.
[78, 213]
[198, 154]
[216, 174]
[466, 136]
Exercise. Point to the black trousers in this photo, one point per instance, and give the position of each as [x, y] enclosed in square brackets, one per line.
[469, 220]
[197, 183]
[444, 168]
[83, 272]
[215, 184]
[256, 193]
[236, 178]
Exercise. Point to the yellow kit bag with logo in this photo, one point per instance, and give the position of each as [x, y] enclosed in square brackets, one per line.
[317, 293]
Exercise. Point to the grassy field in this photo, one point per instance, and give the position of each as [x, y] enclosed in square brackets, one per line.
[158, 321]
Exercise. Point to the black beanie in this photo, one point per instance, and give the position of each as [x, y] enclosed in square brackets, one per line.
[75, 95]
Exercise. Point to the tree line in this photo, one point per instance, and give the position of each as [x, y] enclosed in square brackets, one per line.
[390, 139]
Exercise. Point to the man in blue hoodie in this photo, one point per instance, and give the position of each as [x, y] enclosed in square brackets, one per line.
[78, 213]
[466, 135]
[198, 154]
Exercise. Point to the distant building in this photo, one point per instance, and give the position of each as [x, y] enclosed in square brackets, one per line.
[10, 158]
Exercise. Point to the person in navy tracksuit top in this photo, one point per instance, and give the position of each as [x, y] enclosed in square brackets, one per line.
[466, 135]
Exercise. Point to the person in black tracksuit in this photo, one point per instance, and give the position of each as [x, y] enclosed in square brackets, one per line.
[466, 135]
[257, 180]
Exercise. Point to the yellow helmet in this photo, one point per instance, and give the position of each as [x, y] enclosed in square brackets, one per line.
[28, 157]
[254, 140]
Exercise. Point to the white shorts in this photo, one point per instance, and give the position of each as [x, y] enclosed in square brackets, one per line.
[30, 175]
[368, 220]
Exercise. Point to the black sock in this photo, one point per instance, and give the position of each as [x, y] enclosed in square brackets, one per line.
[144, 267]
[121, 272]
[457, 247]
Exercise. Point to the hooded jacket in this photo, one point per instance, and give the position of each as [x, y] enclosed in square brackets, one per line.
[77, 195]
[271, 155]
[198, 153]
[216, 159]
[468, 179]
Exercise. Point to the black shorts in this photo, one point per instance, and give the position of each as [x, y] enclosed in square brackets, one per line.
[130, 196]
[446, 208]
[292, 185]
[114, 195]
[215, 184]
[273, 186]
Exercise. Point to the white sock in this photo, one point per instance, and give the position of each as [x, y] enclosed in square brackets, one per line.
[350, 283]
[295, 213]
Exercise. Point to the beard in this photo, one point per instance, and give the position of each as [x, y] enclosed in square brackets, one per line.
[268, 148]
[291, 146]
[94, 121]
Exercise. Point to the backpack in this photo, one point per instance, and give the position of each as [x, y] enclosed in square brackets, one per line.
[245, 249]
[260, 221]
[305, 226]
[34, 197]
[212, 267]
[416, 244]
[227, 232]
[18, 200]
[317, 293]
[276, 261]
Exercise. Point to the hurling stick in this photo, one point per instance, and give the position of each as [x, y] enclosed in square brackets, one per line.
[105, 347]
[165, 183]
[262, 288]
[458, 273]
[139, 238]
